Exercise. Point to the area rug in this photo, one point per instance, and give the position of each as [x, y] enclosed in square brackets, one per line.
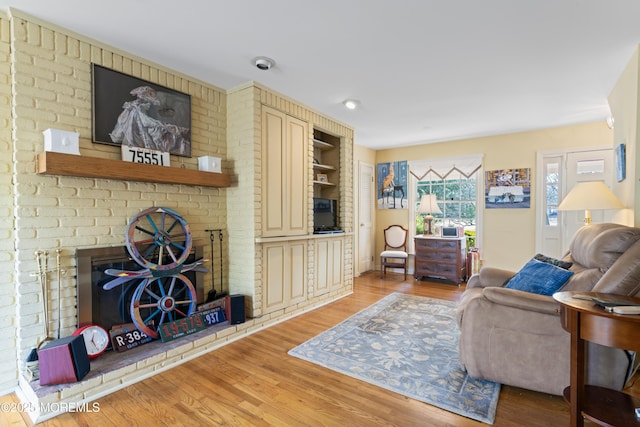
[409, 345]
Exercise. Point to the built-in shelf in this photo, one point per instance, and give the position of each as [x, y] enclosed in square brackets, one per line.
[323, 167]
[322, 145]
[327, 184]
[52, 163]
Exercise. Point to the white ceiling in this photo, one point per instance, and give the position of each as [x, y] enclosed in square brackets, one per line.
[424, 70]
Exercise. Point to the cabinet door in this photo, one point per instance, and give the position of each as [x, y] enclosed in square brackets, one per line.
[322, 266]
[337, 258]
[284, 274]
[285, 142]
[329, 264]
[273, 276]
[296, 156]
[297, 284]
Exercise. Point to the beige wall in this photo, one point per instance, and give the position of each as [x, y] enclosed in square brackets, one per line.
[508, 234]
[623, 102]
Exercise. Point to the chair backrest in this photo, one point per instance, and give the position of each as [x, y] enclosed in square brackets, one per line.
[606, 258]
[395, 237]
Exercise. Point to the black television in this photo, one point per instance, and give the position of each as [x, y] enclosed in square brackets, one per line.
[325, 215]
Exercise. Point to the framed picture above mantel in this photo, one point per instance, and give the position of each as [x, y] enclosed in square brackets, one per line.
[135, 112]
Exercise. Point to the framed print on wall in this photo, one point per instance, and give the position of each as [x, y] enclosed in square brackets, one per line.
[508, 188]
[392, 185]
[621, 162]
[131, 111]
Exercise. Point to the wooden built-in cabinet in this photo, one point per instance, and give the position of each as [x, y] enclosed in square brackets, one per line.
[329, 264]
[284, 273]
[441, 258]
[285, 148]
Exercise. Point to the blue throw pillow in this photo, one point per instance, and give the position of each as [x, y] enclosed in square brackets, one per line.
[539, 278]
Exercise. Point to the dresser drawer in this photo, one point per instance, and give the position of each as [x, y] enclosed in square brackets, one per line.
[441, 245]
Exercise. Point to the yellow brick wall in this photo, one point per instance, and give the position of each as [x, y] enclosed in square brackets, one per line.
[52, 89]
[8, 331]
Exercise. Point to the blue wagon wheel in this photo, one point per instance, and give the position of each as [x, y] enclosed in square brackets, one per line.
[159, 239]
[160, 300]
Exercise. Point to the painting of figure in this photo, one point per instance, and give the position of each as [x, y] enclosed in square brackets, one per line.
[134, 112]
[392, 185]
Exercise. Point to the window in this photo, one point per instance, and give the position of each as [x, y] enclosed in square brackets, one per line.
[458, 186]
[457, 199]
[551, 191]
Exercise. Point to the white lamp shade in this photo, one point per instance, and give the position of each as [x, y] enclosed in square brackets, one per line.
[429, 204]
[591, 195]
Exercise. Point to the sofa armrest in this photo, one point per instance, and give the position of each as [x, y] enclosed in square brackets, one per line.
[490, 276]
[522, 300]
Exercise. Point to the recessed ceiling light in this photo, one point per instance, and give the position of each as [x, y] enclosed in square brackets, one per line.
[263, 63]
[351, 104]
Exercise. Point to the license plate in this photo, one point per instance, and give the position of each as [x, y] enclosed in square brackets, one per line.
[145, 156]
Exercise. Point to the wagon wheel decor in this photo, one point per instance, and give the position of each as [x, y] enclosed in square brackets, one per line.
[160, 300]
[159, 240]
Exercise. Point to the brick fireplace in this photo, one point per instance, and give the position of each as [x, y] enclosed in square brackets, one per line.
[47, 78]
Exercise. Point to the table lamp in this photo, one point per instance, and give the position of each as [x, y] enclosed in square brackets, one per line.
[588, 196]
[429, 206]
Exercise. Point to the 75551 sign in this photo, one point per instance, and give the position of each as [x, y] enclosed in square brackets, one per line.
[145, 156]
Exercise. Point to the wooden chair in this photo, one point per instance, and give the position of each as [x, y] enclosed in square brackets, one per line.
[395, 249]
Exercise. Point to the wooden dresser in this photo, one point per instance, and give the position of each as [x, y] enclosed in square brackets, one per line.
[441, 257]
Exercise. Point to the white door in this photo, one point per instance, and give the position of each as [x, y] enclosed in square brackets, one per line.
[365, 217]
[586, 166]
[559, 173]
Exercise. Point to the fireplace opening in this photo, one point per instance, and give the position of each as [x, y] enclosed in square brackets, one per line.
[112, 307]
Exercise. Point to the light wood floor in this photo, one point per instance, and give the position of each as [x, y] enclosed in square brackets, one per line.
[253, 382]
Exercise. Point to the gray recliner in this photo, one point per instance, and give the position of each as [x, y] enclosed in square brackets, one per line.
[515, 337]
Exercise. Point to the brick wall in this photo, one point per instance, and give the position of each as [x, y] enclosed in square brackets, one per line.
[8, 328]
[52, 89]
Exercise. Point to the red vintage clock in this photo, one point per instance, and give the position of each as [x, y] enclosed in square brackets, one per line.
[96, 339]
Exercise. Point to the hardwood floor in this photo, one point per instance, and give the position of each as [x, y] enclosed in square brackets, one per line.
[253, 382]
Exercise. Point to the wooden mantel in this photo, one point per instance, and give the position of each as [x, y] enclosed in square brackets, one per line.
[52, 163]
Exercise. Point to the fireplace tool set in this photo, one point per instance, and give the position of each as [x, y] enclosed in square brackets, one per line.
[42, 260]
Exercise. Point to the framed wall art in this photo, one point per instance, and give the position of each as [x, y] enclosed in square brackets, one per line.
[621, 162]
[392, 185]
[508, 188]
[131, 111]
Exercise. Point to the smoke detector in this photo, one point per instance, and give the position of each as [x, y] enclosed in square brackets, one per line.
[263, 63]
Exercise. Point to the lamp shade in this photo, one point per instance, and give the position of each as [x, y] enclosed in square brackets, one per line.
[590, 195]
[429, 204]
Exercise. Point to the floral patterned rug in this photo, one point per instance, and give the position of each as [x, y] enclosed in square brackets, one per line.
[409, 345]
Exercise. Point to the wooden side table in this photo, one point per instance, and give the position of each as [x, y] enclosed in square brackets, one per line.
[586, 321]
[441, 257]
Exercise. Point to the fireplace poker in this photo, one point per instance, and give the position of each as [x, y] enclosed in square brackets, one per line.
[42, 260]
[59, 272]
[213, 294]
